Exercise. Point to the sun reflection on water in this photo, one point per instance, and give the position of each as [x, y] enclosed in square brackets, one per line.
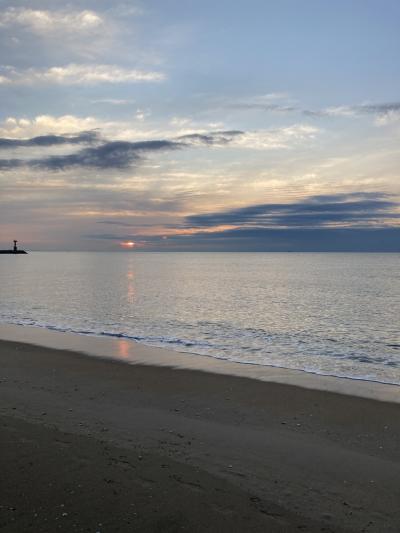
[130, 285]
[123, 349]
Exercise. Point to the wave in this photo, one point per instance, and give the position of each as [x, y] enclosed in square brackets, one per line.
[208, 349]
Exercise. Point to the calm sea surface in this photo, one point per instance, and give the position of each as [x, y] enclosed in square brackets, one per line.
[335, 314]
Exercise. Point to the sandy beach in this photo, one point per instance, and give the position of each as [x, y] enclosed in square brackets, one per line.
[91, 444]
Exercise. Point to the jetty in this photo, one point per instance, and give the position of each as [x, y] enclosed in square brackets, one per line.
[14, 250]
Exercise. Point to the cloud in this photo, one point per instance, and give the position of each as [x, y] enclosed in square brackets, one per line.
[77, 74]
[379, 109]
[44, 21]
[343, 209]
[18, 128]
[256, 140]
[113, 101]
[116, 154]
[338, 111]
[113, 154]
[267, 139]
[284, 240]
[384, 112]
[263, 104]
[270, 240]
[215, 138]
[85, 137]
[277, 138]
[59, 32]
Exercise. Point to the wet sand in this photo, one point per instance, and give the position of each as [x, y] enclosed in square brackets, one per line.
[90, 444]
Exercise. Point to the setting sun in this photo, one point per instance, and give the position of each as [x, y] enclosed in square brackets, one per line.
[128, 244]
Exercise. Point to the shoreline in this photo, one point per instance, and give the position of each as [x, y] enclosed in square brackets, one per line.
[129, 351]
[157, 447]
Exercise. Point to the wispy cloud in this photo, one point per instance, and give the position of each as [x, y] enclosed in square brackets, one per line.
[77, 74]
[45, 21]
[113, 101]
[380, 110]
[22, 128]
[384, 112]
[267, 139]
[215, 138]
[276, 138]
[279, 102]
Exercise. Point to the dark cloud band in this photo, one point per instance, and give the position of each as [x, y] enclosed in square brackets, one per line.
[315, 211]
[272, 240]
[85, 137]
[112, 154]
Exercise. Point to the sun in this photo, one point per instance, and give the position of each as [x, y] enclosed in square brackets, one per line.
[127, 244]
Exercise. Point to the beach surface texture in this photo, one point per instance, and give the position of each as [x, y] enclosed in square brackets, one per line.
[92, 444]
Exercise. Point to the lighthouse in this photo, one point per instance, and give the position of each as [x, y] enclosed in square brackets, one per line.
[14, 249]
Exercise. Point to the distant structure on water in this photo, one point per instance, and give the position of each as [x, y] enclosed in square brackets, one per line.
[14, 250]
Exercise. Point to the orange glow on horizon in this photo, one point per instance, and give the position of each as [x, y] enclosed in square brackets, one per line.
[127, 244]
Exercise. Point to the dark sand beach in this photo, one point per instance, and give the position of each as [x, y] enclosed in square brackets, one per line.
[89, 444]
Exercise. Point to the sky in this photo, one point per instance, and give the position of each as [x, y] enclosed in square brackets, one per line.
[178, 125]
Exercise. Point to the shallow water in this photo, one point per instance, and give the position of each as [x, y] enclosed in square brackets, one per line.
[334, 314]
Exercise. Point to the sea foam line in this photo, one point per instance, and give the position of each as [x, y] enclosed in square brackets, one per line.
[172, 343]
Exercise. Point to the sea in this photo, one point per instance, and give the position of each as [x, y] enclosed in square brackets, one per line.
[325, 313]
